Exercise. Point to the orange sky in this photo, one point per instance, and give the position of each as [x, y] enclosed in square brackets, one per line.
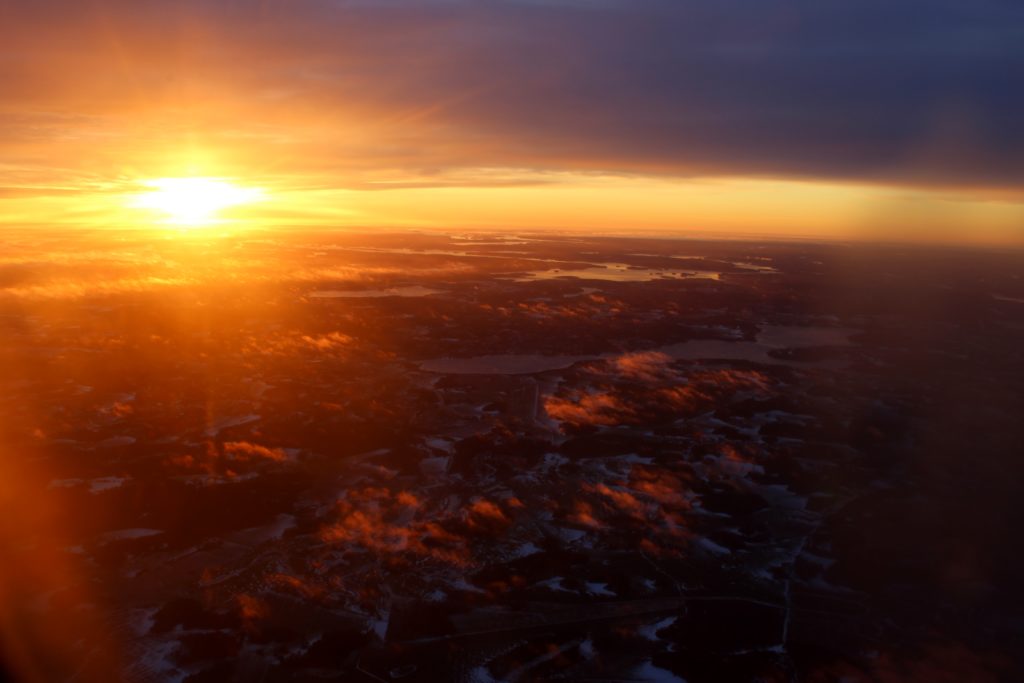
[520, 115]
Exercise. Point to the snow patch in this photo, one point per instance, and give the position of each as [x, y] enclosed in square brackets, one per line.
[480, 674]
[440, 444]
[106, 483]
[712, 547]
[226, 422]
[554, 583]
[128, 534]
[653, 674]
[525, 550]
[650, 631]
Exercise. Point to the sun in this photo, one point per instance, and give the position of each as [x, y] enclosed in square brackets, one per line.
[193, 202]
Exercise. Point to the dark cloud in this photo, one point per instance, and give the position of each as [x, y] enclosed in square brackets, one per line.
[917, 92]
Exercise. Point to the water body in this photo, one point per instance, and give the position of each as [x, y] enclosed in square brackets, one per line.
[618, 272]
[409, 291]
[513, 364]
[760, 268]
[770, 337]
[791, 336]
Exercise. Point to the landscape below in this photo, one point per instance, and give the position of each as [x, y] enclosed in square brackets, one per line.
[291, 456]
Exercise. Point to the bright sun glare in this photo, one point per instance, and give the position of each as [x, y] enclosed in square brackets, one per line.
[193, 202]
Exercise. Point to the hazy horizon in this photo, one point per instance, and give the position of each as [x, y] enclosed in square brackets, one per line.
[863, 121]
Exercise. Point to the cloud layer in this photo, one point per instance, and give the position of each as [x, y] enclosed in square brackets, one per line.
[356, 93]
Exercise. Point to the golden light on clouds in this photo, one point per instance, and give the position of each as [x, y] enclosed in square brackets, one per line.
[406, 114]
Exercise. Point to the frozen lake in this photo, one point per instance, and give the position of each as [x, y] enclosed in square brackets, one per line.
[769, 338]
